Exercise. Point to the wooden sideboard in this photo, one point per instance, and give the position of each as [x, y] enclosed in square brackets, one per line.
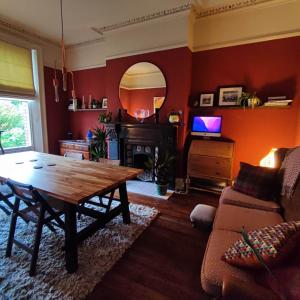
[77, 146]
[211, 160]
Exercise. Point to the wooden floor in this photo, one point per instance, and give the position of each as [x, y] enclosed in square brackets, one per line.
[165, 261]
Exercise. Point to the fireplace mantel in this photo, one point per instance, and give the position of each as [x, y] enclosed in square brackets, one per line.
[146, 139]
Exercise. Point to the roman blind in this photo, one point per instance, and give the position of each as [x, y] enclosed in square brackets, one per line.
[16, 77]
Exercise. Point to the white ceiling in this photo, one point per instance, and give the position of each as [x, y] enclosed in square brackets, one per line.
[142, 68]
[42, 17]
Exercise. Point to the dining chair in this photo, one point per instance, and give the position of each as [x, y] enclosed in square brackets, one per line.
[5, 191]
[110, 197]
[5, 196]
[41, 210]
[74, 155]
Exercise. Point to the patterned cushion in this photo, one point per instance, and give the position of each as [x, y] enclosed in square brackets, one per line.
[258, 182]
[273, 243]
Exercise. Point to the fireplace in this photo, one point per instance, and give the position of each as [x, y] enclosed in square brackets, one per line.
[136, 156]
[139, 142]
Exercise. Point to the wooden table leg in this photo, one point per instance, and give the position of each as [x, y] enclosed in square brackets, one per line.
[124, 203]
[71, 254]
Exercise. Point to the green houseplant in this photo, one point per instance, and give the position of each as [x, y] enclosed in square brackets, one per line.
[98, 147]
[249, 99]
[161, 168]
[105, 117]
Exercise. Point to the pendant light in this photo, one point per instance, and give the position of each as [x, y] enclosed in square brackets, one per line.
[63, 51]
[55, 85]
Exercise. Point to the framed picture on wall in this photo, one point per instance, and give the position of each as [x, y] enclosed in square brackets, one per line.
[229, 96]
[206, 99]
[104, 103]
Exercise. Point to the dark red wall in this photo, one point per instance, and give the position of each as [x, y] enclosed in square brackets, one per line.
[176, 64]
[57, 115]
[269, 68]
[87, 82]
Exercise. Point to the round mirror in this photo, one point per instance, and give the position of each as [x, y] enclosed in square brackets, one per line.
[142, 90]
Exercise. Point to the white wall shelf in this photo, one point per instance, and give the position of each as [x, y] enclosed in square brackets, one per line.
[88, 109]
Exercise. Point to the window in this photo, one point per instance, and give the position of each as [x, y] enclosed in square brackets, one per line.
[20, 99]
[15, 124]
[16, 72]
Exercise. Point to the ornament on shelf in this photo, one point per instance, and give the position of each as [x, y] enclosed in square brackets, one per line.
[90, 102]
[83, 103]
[175, 117]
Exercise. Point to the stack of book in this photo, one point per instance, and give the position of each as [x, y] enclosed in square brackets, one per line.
[278, 101]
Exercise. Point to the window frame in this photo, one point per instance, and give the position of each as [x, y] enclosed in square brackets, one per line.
[37, 105]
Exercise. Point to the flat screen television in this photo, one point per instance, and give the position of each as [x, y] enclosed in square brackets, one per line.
[206, 125]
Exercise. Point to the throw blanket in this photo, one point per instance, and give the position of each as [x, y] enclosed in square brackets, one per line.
[291, 167]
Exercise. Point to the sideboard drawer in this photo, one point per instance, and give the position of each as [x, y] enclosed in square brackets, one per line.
[67, 145]
[212, 148]
[199, 165]
[81, 147]
[75, 147]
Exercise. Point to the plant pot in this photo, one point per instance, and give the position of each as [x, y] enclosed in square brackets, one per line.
[162, 189]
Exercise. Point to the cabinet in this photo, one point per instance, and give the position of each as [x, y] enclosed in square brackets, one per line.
[211, 160]
[78, 146]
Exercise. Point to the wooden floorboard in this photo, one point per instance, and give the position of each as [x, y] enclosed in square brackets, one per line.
[165, 261]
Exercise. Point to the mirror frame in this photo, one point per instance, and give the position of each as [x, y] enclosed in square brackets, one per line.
[166, 95]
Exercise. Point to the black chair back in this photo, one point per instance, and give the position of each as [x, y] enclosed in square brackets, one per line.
[1, 148]
[31, 196]
[24, 192]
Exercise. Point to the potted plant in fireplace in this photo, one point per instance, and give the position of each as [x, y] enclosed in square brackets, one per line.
[161, 168]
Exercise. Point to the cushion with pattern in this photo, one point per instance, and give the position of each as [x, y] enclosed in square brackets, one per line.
[273, 243]
[258, 182]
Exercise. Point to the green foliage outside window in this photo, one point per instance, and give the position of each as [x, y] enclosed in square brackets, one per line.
[12, 122]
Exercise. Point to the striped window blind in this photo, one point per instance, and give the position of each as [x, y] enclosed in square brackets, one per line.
[16, 75]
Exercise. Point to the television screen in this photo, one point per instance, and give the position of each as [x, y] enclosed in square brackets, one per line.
[206, 126]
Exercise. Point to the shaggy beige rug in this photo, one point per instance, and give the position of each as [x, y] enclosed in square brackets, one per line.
[96, 256]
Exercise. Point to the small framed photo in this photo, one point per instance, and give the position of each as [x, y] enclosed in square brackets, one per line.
[104, 103]
[228, 96]
[207, 99]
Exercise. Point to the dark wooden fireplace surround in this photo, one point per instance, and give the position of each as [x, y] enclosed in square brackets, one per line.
[136, 142]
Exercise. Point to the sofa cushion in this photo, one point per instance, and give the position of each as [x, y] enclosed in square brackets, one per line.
[273, 243]
[259, 182]
[233, 218]
[291, 206]
[230, 196]
[213, 268]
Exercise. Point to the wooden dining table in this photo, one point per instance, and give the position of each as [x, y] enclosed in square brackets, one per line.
[73, 182]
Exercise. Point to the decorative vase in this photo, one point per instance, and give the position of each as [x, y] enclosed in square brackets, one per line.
[162, 189]
[89, 135]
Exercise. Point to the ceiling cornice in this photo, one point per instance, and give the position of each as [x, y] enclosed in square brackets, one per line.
[17, 30]
[235, 5]
[143, 19]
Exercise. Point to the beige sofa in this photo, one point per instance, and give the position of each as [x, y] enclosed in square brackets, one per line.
[218, 278]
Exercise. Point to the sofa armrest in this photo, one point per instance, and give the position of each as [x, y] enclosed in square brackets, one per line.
[235, 289]
[232, 197]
